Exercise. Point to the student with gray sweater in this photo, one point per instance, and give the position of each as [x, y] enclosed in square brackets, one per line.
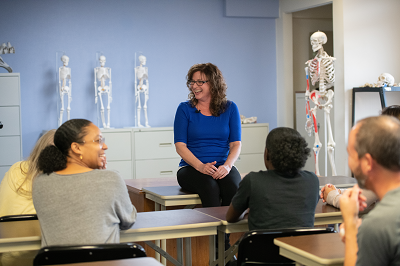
[76, 202]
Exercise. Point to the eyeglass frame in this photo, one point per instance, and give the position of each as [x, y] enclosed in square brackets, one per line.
[101, 141]
[189, 82]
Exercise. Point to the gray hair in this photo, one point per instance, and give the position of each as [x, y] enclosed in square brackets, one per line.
[380, 137]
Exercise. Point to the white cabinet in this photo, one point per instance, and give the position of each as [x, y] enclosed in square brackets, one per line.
[10, 117]
[119, 153]
[251, 157]
[150, 152]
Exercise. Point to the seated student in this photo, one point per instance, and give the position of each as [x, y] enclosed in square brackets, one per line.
[16, 187]
[331, 195]
[16, 196]
[75, 202]
[284, 196]
[374, 158]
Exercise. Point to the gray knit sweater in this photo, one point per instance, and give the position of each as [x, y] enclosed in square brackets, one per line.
[85, 208]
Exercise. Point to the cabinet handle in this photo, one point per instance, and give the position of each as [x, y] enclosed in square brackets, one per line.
[238, 159]
[166, 172]
[1, 125]
[165, 144]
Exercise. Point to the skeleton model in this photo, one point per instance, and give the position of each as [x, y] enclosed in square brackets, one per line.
[6, 49]
[321, 70]
[64, 75]
[384, 80]
[103, 74]
[141, 74]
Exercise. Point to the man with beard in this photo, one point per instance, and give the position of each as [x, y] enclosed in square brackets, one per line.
[374, 158]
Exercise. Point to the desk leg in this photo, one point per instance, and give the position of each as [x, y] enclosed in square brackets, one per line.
[336, 227]
[157, 242]
[188, 251]
[163, 241]
[211, 249]
[179, 250]
[221, 248]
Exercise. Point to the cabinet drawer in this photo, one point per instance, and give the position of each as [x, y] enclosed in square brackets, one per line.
[9, 117]
[250, 163]
[156, 168]
[10, 150]
[9, 91]
[253, 139]
[119, 146]
[155, 145]
[124, 168]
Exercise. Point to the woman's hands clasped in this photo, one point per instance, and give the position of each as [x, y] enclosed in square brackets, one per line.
[211, 170]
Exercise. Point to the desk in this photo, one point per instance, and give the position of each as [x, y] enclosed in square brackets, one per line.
[25, 235]
[337, 181]
[321, 249]
[324, 214]
[126, 262]
[167, 194]
[170, 196]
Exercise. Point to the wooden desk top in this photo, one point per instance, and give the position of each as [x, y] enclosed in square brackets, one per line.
[169, 192]
[325, 249]
[322, 209]
[165, 220]
[136, 185]
[338, 181]
[147, 261]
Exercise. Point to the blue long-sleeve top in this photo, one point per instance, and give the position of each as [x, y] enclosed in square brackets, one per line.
[207, 137]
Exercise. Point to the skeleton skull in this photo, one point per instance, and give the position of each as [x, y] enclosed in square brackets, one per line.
[385, 79]
[142, 60]
[102, 60]
[65, 60]
[317, 39]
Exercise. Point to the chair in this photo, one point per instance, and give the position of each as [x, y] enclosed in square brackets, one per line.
[87, 253]
[21, 217]
[257, 247]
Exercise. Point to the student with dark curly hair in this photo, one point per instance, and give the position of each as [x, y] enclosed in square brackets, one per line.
[284, 196]
[76, 202]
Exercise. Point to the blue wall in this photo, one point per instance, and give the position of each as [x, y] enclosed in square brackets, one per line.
[173, 35]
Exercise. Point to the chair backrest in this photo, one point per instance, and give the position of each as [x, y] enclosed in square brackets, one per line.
[257, 247]
[87, 253]
[20, 217]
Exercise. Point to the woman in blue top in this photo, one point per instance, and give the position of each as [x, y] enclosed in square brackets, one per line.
[207, 132]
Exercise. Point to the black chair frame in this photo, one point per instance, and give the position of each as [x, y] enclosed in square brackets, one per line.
[257, 247]
[20, 217]
[54, 255]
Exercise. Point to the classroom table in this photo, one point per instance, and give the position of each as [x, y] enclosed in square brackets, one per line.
[313, 250]
[147, 261]
[324, 214]
[177, 224]
[337, 181]
[165, 194]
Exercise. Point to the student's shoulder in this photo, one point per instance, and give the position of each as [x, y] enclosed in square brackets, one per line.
[110, 174]
[252, 176]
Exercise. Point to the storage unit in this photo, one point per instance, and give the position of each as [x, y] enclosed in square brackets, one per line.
[10, 117]
[150, 152]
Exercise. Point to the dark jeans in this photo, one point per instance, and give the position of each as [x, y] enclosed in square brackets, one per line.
[212, 192]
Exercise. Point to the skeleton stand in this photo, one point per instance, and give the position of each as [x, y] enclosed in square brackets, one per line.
[321, 70]
[103, 74]
[64, 74]
[141, 73]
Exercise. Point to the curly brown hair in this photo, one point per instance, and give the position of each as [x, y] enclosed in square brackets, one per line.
[217, 87]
